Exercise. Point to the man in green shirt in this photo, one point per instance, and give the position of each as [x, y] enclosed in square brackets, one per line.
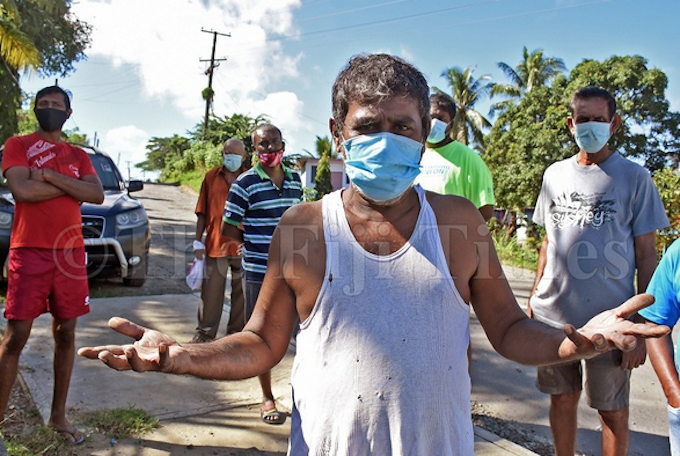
[450, 167]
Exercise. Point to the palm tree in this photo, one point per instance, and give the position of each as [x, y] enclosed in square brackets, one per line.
[466, 92]
[533, 71]
[16, 49]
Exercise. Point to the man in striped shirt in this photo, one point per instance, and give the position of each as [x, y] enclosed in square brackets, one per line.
[256, 202]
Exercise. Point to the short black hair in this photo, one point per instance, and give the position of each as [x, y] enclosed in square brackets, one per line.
[371, 78]
[264, 127]
[444, 101]
[53, 89]
[590, 92]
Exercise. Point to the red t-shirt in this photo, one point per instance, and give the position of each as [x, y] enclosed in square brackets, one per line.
[54, 223]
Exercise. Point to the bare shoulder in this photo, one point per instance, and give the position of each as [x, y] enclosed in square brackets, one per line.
[303, 214]
[454, 210]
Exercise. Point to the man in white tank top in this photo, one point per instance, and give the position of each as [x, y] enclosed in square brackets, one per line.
[380, 276]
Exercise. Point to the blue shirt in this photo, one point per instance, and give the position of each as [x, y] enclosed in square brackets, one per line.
[256, 203]
[665, 286]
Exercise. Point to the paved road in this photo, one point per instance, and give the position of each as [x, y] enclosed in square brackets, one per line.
[500, 388]
[506, 390]
[172, 223]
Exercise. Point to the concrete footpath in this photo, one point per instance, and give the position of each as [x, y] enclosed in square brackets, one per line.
[198, 417]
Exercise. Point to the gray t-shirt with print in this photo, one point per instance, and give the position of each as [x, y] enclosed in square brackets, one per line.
[591, 215]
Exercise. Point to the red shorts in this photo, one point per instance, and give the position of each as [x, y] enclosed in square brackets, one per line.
[45, 280]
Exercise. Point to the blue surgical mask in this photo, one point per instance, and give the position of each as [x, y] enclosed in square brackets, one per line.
[437, 131]
[592, 136]
[382, 166]
[232, 162]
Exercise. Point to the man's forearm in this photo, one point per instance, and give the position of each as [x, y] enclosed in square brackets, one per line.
[79, 189]
[232, 232]
[235, 357]
[200, 226]
[661, 355]
[519, 345]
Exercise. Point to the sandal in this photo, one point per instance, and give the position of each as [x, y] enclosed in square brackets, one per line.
[75, 437]
[272, 416]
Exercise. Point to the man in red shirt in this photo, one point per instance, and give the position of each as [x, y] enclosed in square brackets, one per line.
[221, 253]
[49, 179]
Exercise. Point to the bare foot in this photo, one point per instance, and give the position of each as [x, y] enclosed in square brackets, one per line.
[67, 431]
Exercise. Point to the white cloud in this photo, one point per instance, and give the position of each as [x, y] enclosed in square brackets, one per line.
[163, 38]
[283, 109]
[126, 146]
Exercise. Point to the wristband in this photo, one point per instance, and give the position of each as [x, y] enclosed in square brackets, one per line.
[198, 245]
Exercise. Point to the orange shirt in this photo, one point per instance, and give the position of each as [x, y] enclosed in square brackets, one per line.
[211, 199]
[55, 223]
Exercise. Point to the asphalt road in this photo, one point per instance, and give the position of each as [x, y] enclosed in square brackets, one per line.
[172, 223]
[501, 388]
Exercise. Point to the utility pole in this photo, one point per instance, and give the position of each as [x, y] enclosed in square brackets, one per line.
[208, 93]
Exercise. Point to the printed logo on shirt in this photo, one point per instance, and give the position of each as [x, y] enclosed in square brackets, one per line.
[42, 160]
[38, 148]
[74, 169]
[438, 170]
[579, 209]
[87, 301]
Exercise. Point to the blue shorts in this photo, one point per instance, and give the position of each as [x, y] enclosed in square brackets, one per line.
[46, 280]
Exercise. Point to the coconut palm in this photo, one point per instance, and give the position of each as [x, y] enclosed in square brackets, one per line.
[16, 49]
[466, 92]
[534, 70]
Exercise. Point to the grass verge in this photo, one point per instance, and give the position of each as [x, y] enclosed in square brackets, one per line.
[121, 423]
[515, 254]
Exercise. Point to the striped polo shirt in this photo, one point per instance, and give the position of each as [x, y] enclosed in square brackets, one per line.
[257, 204]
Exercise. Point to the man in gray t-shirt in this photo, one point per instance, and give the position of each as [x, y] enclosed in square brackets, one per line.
[601, 212]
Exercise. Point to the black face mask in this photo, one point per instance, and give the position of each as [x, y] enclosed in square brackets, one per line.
[50, 119]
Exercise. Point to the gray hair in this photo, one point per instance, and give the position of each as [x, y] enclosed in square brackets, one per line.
[375, 78]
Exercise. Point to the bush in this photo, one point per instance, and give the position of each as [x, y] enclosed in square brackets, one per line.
[668, 183]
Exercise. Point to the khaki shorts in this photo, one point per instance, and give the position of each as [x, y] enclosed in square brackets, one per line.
[607, 385]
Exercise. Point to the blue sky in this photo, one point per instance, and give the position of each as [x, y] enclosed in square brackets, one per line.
[143, 76]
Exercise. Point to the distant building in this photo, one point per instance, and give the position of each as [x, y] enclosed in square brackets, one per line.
[308, 166]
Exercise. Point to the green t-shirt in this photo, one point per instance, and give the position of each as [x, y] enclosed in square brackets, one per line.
[455, 169]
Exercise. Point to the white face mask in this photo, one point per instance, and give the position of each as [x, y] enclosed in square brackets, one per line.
[591, 137]
[437, 132]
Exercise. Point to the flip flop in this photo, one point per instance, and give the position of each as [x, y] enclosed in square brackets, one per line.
[76, 437]
[272, 416]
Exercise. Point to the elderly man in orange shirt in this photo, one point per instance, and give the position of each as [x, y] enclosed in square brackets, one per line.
[221, 253]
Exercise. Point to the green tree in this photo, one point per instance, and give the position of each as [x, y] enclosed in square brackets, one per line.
[534, 70]
[668, 182]
[16, 49]
[29, 28]
[222, 128]
[467, 91]
[524, 141]
[649, 131]
[163, 151]
[533, 134]
[322, 179]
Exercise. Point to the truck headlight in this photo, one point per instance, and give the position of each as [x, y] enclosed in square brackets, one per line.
[131, 219]
[5, 220]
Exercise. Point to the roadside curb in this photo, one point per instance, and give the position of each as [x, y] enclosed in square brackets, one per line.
[508, 447]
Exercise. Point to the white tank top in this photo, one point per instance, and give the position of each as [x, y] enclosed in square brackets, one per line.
[381, 365]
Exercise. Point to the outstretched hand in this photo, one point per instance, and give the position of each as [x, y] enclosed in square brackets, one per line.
[147, 353]
[611, 329]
